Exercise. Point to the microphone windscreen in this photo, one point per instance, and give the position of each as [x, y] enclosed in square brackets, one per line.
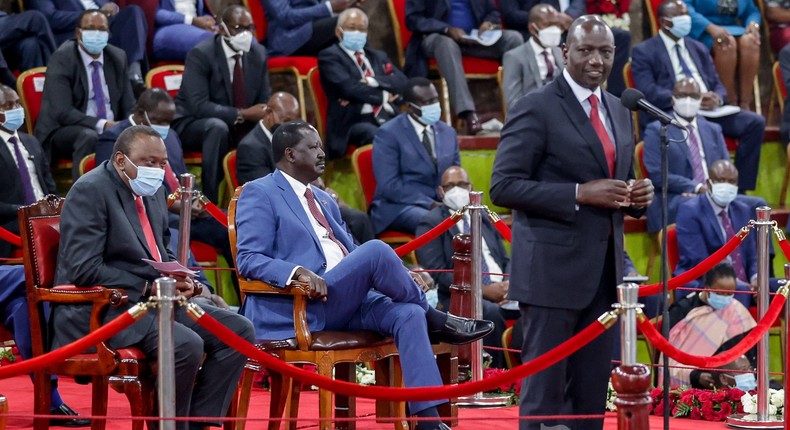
[630, 98]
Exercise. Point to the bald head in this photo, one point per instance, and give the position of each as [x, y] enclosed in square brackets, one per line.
[454, 176]
[352, 13]
[723, 171]
[282, 107]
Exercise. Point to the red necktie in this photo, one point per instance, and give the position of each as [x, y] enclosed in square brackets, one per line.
[367, 74]
[147, 231]
[239, 96]
[170, 178]
[603, 136]
[313, 206]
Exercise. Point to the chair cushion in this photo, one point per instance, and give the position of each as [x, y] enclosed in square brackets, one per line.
[328, 340]
[301, 64]
[45, 232]
[474, 65]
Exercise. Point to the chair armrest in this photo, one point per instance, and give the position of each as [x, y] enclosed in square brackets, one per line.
[70, 294]
[300, 291]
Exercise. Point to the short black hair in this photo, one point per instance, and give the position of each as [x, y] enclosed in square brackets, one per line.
[410, 93]
[90, 12]
[150, 99]
[288, 135]
[719, 271]
[127, 138]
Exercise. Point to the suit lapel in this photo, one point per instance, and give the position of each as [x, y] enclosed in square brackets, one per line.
[126, 198]
[621, 137]
[532, 66]
[581, 122]
[292, 200]
[251, 76]
[82, 77]
[416, 142]
[713, 221]
[109, 76]
[222, 64]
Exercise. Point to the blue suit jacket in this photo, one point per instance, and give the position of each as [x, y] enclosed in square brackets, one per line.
[63, 15]
[166, 13]
[290, 23]
[272, 235]
[705, 12]
[681, 174]
[654, 76]
[699, 235]
[404, 172]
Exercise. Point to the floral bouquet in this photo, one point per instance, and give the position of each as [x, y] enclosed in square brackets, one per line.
[512, 389]
[613, 12]
[776, 402]
[8, 355]
[696, 404]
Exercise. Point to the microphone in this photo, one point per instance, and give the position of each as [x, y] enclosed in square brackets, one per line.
[634, 100]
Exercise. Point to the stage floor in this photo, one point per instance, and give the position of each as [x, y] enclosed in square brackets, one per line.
[19, 392]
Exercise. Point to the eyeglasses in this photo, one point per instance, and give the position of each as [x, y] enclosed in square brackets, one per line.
[450, 186]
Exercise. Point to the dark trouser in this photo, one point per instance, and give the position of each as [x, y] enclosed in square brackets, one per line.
[323, 37]
[576, 385]
[748, 128]
[74, 142]
[129, 31]
[210, 137]
[26, 39]
[491, 312]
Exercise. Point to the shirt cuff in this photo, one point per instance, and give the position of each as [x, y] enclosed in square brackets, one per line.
[188, 19]
[329, 6]
[291, 276]
[100, 126]
[577, 196]
[696, 189]
[372, 82]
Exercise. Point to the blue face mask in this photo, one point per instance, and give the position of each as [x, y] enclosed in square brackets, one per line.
[681, 25]
[94, 41]
[14, 119]
[718, 301]
[430, 113]
[746, 381]
[163, 130]
[354, 40]
[148, 180]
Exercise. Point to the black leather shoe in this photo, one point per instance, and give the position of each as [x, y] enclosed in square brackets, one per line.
[459, 331]
[71, 419]
[431, 426]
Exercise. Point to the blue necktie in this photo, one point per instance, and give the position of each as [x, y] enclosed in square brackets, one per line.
[24, 174]
[683, 65]
[98, 91]
[486, 276]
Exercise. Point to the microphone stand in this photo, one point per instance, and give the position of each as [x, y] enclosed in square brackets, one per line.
[664, 276]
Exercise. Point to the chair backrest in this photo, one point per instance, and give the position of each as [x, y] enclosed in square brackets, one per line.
[87, 163]
[319, 100]
[511, 359]
[362, 163]
[397, 11]
[628, 78]
[500, 82]
[39, 227]
[639, 155]
[652, 13]
[30, 87]
[673, 255]
[779, 85]
[258, 18]
[229, 166]
[166, 77]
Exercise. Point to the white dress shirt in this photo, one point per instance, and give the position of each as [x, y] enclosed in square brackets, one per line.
[419, 128]
[370, 81]
[89, 4]
[582, 95]
[684, 52]
[493, 266]
[188, 8]
[542, 67]
[269, 136]
[229, 56]
[91, 109]
[38, 191]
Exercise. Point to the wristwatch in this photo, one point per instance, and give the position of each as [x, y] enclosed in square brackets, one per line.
[198, 290]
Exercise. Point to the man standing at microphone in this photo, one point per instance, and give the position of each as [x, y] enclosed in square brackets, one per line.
[569, 188]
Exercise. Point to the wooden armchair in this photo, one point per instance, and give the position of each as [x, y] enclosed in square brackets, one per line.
[126, 369]
[328, 350]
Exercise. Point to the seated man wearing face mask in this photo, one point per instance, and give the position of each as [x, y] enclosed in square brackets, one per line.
[438, 254]
[689, 159]
[710, 320]
[539, 60]
[707, 221]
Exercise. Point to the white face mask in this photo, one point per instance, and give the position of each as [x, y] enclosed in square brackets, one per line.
[723, 193]
[456, 198]
[686, 107]
[550, 36]
[241, 41]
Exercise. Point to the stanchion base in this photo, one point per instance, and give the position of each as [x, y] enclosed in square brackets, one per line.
[484, 400]
[750, 421]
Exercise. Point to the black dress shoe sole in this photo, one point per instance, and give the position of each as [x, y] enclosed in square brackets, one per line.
[447, 338]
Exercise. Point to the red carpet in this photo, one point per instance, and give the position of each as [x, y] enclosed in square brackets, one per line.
[19, 392]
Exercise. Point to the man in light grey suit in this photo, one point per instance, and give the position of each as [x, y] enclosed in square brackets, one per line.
[539, 60]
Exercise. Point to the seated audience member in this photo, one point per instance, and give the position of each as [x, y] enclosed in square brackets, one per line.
[361, 84]
[409, 154]
[102, 244]
[301, 27]
[539, 60]
[515, 14]
[86, 92]
[777, 13]
[656, 68]
[438, 254]
[784, 125]
[688, 159]
[438, 30]
[290, 231]
[26, 40]
[731, 31]
[711, 319]
[358, 222]
[254, 157]
[223, 90]
[707, 221]
[180, 25]
[126, 28]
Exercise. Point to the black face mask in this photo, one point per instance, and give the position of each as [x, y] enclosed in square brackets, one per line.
[274, 128]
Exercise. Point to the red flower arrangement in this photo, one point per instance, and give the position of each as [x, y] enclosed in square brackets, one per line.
[715, 405]
[608, 7]
[512, 389]
[8, 355]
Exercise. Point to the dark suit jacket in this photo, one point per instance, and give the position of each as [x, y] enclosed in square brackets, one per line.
[536, 169]
[206, 90]
[11, 194]
[166, 13]
[681, 174]
[291, 23]
[405, 174]
[66, 96]
[515, 13]
[254, 158]
[430, 16]
[63, 15]
[438, 253]
[699, 234]
[340, 77]
[102, 243]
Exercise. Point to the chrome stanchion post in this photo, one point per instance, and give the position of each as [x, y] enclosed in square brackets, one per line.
[476, 210]
[166, 296]
[628, 297]
[187, 182]
[631, 380]
[761, 419]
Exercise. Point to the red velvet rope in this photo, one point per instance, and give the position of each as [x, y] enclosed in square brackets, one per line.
[551, 357]
[503, 229]
[427, 236]
[216, 213]
[748, 341]
[78, 346]
[697, 271]
[785, 247]
[9, 237]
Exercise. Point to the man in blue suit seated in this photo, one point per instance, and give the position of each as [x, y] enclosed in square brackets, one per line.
[706, 222]
[289, 230]
[301, 27]
[656, 67]
[180, 25]
[27, 41]
[689, 155]
[410, 153]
